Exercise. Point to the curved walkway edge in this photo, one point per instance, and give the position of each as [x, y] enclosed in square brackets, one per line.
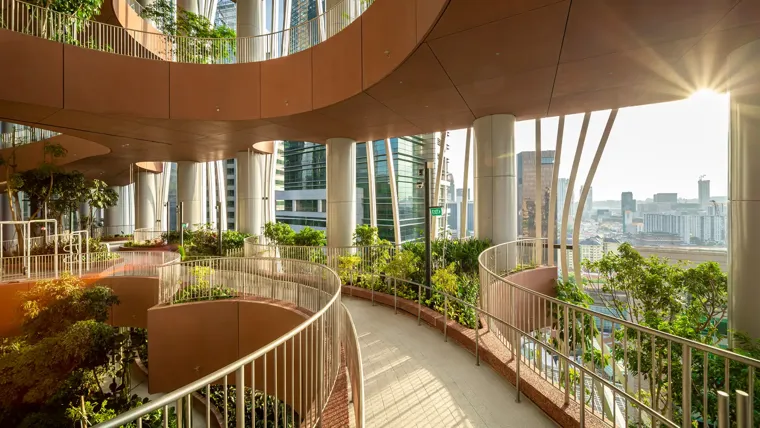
[415, 379]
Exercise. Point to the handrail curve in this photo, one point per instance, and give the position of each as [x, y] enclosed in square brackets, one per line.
[324, 332]
[543, 317]
[64, 28]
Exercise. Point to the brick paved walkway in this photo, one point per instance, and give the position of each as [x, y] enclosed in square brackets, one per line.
[415, 379]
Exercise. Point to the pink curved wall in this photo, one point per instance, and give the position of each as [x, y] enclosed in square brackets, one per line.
[368, 50]
[136, 296]
[189, 341]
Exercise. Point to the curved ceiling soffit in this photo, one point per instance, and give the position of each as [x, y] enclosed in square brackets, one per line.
[369, 31]
[29, 156]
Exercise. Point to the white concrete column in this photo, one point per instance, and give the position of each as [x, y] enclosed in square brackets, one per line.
[744, 190]
[249, 24]
[250, 179]
[190, 186]
[113, 217]
[145, 199]
[495, 178]
[341, 191]
[188, 5]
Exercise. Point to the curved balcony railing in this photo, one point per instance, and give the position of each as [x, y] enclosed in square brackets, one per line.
[22, 134]
[362, 257]
[40, 22]
[148, 234]
[46, 266]
[310, 354]
[546, 330]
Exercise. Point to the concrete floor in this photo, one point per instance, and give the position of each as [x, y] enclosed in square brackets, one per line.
[415, 379]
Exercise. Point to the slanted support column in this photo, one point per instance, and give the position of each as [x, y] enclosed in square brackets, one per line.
[744, 190]
[250, 180]
[341, 191]
[145, 199]
[190, 188]
[495, 178]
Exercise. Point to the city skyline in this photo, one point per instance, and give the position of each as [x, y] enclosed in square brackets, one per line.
[684, 140]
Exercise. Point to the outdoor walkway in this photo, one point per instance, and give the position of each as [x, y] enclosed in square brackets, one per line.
[415, 379]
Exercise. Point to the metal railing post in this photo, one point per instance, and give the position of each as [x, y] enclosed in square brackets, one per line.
[743, 410]
[723, 408]
[686, 386]
[419, 304]
[477, 338]
[395, 297]
[445, 316]
[583, 398]
[517, 371]
[566, 363]
[240, 396]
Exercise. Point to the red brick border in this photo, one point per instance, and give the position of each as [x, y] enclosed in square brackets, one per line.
[548, 398]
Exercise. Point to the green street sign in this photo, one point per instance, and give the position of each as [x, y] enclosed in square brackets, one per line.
[436, 211]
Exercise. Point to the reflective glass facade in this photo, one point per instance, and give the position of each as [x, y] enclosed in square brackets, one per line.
[305, 170]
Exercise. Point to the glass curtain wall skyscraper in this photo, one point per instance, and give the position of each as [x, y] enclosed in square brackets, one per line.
[301, 201]
[407, 154]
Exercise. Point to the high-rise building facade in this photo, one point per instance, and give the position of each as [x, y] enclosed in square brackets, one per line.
[704, 192]
[563, 185]
[671, 198]
[302, 200]
[627, 205]
[526, 190]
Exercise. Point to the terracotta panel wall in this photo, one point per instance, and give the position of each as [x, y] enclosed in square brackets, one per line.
[32, 72]
[217, 92]
[530, 311]
[389, 35]
[136, 296]
[337, 73]
[286, 85]
[10, 308]
[189, 341]
[101, 82]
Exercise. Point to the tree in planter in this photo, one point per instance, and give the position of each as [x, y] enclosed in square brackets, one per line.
[64, 358]
[71, 192]
[279, 233]
[15, 180]
[99, 196]
[686, 302]
[196, 31]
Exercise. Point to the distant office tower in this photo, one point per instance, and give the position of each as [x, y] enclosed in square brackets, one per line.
[302, 35]
[526, 190]
[627, 205]
[562, 190]
[704, 192]
[666, 198]
[301, 195]
[226, 14]
[588, 207]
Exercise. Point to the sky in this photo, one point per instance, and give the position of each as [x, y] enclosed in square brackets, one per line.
[657, 148]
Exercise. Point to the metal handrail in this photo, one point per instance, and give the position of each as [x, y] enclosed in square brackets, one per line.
[48, 266]
[623, 322]
[505, 296]
[523, 335]
[322, 315]
[143, 234]
[65, 28]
